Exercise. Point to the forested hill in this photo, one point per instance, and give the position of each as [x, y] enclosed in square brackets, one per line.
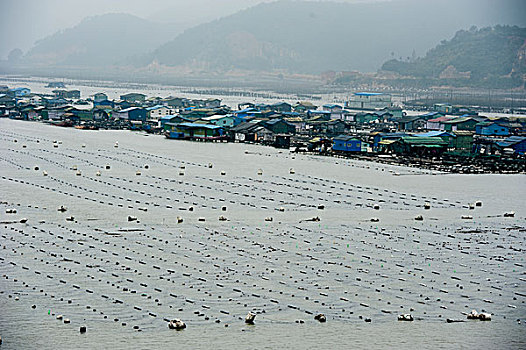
[491, 54]
[312, 37]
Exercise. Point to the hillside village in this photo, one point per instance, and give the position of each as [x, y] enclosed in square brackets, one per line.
[367, 125]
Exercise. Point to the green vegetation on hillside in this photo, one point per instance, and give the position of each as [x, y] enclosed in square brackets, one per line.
[313, 37]
[492, 56]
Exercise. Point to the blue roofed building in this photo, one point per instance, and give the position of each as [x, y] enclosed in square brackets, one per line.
[21, 91]
[490, 128]
[517, 143]
[347, 143]
[369, 100]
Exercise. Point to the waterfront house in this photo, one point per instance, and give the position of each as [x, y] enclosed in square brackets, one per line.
[35, 99]
[366, 117]
[381, 139]
[55, 113]
[298, 122]
[156, 112]
[443, 108]
[490, 128]
[99, 97]
[461, 123]
[102, 113]
[245, 131]
[133, 97]
[516, 143]
[167, 122]
[212, 103]
[104, 104]
[20, 91]
[281, 107]
[369, 100]
[31, 112]
[318, 115]
[226, 121]
[335, 110]
[411, 123]
[6, 100]
[303, 107]
[449, 137]
[132, 113]
[436, 123]
[419, 146]
[245, 105]
[175, 102]
[463, 140]
[280, 126]
[196, 131]
[347, 143]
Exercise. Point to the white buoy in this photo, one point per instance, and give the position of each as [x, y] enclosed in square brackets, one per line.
[98, 173]
[116, 145]
[249, 319]
[176, 324]
[405, 317]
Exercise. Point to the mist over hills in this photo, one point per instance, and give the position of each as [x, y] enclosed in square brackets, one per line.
[312, 37]
[100, 40]
[490, 56]
[289, 37]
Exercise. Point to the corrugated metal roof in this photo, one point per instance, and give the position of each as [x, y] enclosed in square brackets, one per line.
[434, 134]
[414, 140]
[197, 125]
[368, 93]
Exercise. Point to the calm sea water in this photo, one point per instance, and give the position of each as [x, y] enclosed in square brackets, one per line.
[122, 278]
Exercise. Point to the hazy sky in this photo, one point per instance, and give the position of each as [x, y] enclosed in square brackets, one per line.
[22, 22]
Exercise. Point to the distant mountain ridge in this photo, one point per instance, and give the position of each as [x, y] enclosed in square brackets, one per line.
[312, 37]
[100, 40]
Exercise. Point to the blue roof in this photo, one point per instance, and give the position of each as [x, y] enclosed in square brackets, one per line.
[313, 111]
[512, 140]
[154, 107]
[332, 105]
[197, 125]
[434, 134]
[368, 93]
[430, 114]
[246, 110]
[345, 138]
